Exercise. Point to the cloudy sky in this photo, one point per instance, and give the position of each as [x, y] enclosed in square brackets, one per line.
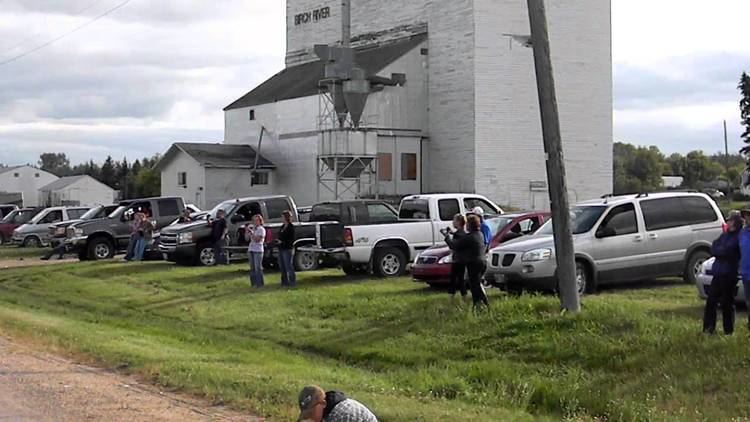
[154, 72]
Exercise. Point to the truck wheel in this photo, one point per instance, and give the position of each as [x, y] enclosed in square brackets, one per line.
[389, 262]
[31, 242]
[205, 256]
[305, 261]
[101, 248]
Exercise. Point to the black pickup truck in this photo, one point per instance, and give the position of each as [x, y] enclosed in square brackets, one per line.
[190, 243]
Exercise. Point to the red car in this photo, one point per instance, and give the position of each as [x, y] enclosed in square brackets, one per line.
[13, 220]
[433, 266]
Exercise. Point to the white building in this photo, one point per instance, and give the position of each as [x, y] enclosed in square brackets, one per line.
[25, 180]
[207, 174]
[81, 190]
[466, 118]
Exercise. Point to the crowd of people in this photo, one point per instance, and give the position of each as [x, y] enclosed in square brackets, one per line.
[469, 240]
[141, 234]
[255, 234]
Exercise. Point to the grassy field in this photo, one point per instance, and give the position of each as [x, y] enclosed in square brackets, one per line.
[408, 352]
[14, 252]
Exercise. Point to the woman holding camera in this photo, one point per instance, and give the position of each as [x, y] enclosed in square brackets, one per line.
[458, 283]
[470, 250]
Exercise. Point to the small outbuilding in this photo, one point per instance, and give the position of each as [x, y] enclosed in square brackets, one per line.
[81, 190]
[208, 174]
[24, 181]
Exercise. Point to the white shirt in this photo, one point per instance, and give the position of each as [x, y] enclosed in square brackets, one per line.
[254, 246]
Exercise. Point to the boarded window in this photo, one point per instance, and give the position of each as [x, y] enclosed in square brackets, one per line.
[408, 166]
[385, 166]
[259, 179]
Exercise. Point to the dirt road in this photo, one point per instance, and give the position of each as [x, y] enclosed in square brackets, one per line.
[37, 386]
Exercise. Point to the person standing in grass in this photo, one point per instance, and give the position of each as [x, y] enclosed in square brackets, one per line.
[135, 227]
[745, 259]
[256, 235]
[219, 233]
[145, 234]
[726, 251]
[471, 249]
[458, 267]
[317, 405]
[286, 251]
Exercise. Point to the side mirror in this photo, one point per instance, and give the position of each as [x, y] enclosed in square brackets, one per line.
[603, 232]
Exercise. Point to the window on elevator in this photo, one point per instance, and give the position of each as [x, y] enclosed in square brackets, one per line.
[408, 166]
[385, 166]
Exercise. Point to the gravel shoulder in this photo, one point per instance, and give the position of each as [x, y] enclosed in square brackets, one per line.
[37, 386]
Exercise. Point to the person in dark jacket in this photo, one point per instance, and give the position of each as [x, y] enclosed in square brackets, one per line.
[471, 250]
[726, 250]
[458, 267]
[219, 233]
[317, 405]
[286, 251]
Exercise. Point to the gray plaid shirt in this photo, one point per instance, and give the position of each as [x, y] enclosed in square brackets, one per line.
[350, 410]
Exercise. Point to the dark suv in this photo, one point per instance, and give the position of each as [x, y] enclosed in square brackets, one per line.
[103, 238]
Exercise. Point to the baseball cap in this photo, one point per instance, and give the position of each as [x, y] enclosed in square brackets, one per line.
[477, 211]
[310, 397]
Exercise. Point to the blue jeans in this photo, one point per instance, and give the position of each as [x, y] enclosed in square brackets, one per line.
[140, 248]
[256, 268]
[131, 246]
[286, 264]
[220, 252]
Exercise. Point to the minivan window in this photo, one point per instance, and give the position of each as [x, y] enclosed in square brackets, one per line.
[620, 221]
[667, 213]
[168, 207]
[415, 209]
[76, 213]
[448, 209]
[275, 208]
[582, 219]
[51, 217]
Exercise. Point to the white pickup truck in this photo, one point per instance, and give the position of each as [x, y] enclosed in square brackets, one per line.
[387, 248]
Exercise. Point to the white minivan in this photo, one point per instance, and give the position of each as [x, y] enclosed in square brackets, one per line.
[617, 239]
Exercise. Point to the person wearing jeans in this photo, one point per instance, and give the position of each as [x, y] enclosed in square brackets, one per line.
[219, 233]
[470, 249]
[256, 235]
[286, 251]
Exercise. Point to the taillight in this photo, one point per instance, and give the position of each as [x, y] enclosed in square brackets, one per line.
[348, 238]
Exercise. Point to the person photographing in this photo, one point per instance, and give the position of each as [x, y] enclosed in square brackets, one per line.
[256, 235]
[470, 249]
[458, 267]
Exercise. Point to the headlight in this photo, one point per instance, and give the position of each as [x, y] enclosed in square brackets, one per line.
[537, 255]
[448, 259]
[185, 238]
[78, 232]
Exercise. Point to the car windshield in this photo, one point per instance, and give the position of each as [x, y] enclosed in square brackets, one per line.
[119, 210]
[91, 214]
[498, 223]
[38, 217]
[11, 215]
[226, 206]
[582, 219]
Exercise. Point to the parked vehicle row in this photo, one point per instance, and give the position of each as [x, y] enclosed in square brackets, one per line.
[36, 232]
[385, 243]
[13, 220]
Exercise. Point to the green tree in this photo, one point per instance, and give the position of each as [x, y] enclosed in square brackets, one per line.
[148, 183]
[108, 173]
[637, 169]
[700, 169]
[55, 163]
[676, 164]
[744, 88]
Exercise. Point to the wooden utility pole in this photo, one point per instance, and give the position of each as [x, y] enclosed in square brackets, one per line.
[730, 183]
[558, 189]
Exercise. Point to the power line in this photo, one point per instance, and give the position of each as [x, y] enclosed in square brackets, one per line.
[36, 34]
[54, 40]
